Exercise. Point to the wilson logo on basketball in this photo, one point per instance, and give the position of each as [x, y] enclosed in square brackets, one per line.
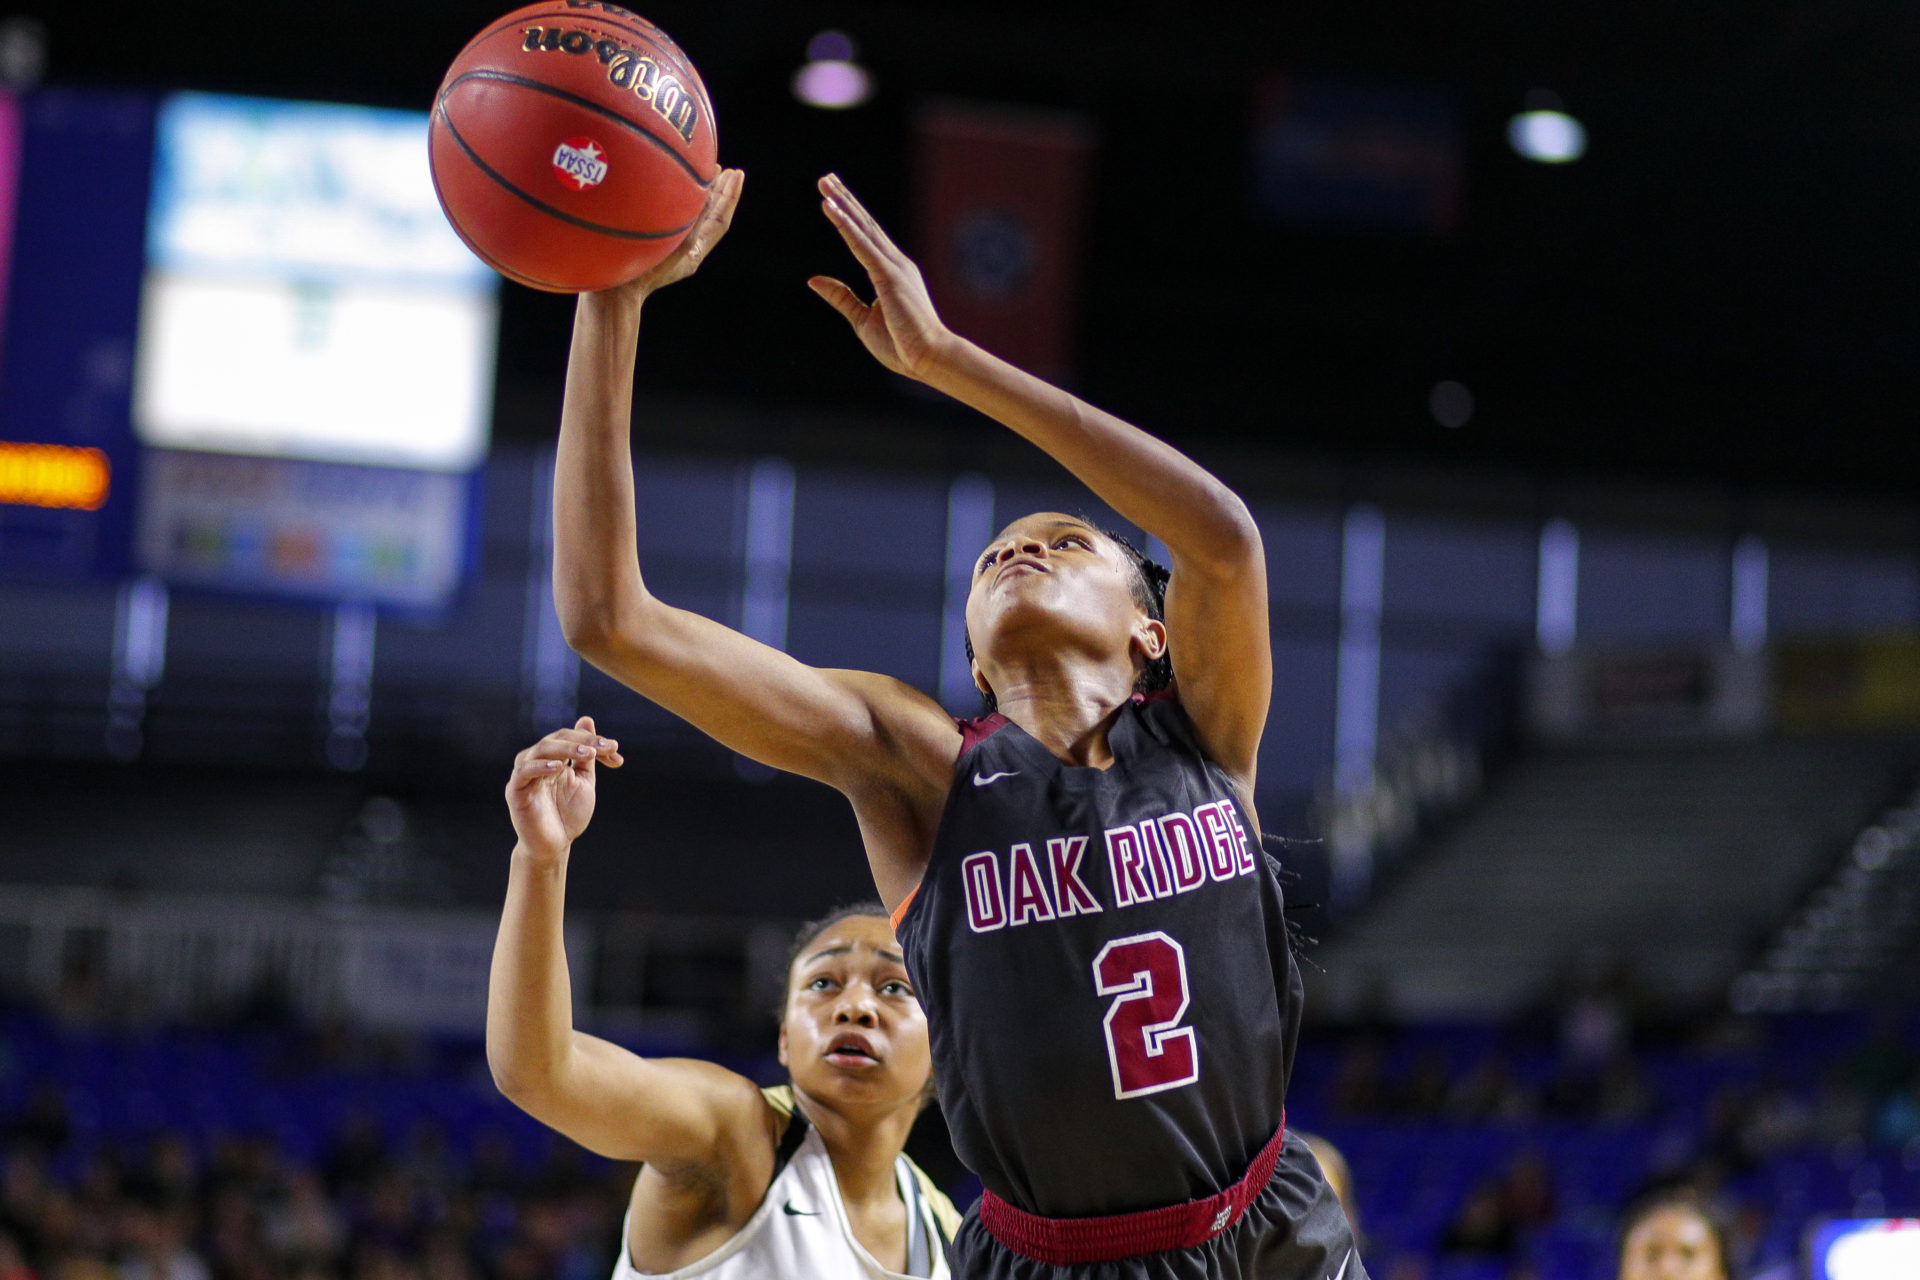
[627, 69]
[581, 163]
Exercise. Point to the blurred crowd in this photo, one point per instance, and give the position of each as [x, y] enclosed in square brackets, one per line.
[171, 1204]
[1771, 1122]
[274, 1152]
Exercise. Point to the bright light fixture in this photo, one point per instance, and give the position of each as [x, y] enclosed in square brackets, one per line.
[831, 79]
[1549, 137]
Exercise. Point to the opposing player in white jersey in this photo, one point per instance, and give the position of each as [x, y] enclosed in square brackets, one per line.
[738, 1183]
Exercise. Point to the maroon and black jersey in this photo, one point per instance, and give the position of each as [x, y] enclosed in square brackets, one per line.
[1106, 974]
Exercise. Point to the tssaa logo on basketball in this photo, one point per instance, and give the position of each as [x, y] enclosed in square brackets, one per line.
[581, 163]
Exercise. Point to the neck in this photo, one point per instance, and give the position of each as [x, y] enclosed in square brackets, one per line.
[1067, 712]
[862, 1145]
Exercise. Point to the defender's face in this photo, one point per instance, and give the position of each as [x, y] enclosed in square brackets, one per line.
[853, 1030]
[1056, 579]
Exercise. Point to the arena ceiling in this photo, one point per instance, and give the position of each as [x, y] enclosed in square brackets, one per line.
[1724, 286]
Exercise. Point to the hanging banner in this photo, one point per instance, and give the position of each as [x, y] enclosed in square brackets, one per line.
[1358, 155]
[1001, 203]
[9, 186]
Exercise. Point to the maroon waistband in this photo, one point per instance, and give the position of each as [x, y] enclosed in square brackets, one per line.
[1063, 1241]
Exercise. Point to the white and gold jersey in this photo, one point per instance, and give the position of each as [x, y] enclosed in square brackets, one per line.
[801, 1227]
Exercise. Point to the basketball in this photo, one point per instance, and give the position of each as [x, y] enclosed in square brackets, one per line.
[572, 145]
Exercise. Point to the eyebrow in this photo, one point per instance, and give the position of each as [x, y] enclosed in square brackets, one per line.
[847, 949]
[1052, 527]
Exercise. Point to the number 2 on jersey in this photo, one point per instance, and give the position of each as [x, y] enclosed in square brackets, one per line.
[1146, 1045]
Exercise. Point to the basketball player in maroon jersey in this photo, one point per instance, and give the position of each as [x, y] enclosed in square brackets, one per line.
[1076, 879]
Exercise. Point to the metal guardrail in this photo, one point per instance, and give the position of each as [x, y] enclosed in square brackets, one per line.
[1865, 915]
[1425, 773]
[170, 956]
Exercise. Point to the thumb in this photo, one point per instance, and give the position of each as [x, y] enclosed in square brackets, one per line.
[840, 298]
[584, 724]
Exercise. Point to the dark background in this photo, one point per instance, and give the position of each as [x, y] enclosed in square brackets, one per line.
[1719, 289]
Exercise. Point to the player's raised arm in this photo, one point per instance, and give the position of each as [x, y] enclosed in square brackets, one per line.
[680, 1116]
[853, 730]
[1216, 611]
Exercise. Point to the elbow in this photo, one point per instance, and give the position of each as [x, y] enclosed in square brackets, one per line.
[587, 628]
[1232, 546]
[516, 1082]
[1241, 530]
[603, 625]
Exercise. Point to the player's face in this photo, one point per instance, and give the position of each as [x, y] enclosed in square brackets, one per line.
[1672, 1244]
[1050, 580]
[853, 1032]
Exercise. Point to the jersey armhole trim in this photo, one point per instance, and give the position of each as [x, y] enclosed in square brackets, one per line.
[899, 913]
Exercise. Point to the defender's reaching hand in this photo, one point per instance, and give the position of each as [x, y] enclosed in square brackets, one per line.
[550, 793]
[900, 326]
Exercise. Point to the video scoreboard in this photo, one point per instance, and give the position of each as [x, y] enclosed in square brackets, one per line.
[242, 348]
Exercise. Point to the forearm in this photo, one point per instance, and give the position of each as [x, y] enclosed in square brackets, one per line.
[596, 567]
[1143, 478]
[529, 988]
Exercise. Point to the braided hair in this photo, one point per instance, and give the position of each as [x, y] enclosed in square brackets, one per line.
[1149, 592]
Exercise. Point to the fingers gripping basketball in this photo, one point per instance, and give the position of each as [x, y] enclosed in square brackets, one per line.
[572, 145]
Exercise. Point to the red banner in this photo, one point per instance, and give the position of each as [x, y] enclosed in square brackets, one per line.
[1001, 203]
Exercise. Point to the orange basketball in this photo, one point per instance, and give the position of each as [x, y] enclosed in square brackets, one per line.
[572, 145]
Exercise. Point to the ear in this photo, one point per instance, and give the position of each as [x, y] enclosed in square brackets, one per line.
[980, 678]
[783, 1042]
[1151, 637]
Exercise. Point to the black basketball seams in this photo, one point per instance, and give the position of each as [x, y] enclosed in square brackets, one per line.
[484, 256]
[542, 205]
[565, 95]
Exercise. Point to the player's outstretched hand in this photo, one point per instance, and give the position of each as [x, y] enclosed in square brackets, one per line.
[550, 793]
[711, 225]
[900, 326]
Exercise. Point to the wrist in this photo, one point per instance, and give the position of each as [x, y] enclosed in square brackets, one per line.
[946, 362]
[540, 856]
[618, 305]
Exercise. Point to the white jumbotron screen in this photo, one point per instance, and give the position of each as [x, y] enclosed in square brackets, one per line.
[1865, 1249]
[305, 297]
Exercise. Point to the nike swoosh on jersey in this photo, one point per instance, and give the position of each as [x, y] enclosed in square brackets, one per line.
[800, 1213]
[988, 779]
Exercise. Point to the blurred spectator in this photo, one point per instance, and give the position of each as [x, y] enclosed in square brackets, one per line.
[1359, 1086]
[357, 1152]
[1673, 1234]
[1529, 1191]
[1482, 1227]
[23, 1196]
[153, 1244]
[1624, 1095]
[1423, 1094]
[13, 1265]
[1491, 1092]
[303, 1227]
